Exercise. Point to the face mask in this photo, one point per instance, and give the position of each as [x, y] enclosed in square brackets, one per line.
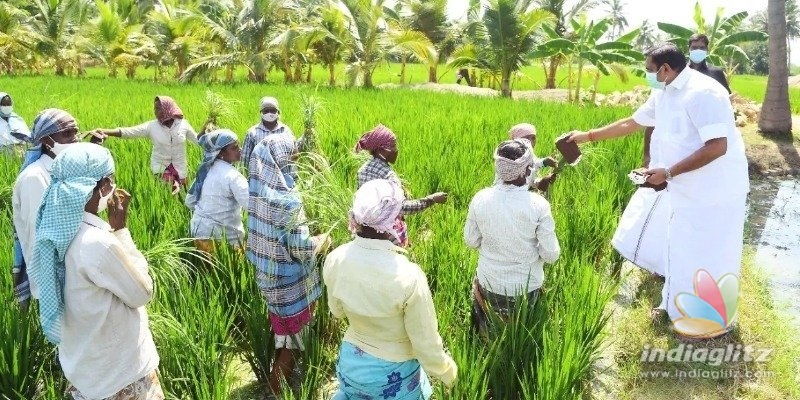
[102, 204]
[652, 80]
[269, 117]
[57, 148]
[6, 110]
[697, 56]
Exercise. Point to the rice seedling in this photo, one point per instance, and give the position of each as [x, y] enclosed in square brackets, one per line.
[218, 108]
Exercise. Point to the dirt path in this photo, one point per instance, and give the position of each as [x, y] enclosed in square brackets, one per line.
[559, 95]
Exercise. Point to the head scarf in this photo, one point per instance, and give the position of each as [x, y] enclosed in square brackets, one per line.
[76, 172]
[272, 180]
[211, 143]
[377, 204]
[509, 170]
[17, 126]
[166, 109]
[269, 101]
[378, 137]
[519, 131]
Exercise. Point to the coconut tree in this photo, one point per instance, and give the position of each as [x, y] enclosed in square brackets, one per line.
[332, 47]
[57, 24]
[617, 16]
[725, 35]
[647, 38]
[429, 17]
[408, 43]
[114, 39]
[564, 11]
[368, 37]
[17, 39]
[776, 117]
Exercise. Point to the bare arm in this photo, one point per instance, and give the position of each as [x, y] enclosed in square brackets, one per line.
[623, 127]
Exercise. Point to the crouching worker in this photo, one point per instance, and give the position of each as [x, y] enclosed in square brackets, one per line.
[93, 281]
[392, 341]
[514, 233]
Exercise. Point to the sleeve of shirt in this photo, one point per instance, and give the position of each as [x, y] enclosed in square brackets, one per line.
[548, 246]
[240, 190]
[25, 213]
[123, 271]
[423, 332]
[191, 134]
[327, 276]
[141, 130]
[711, 114]
[415, 206]
[472, 233]
[719, 75]
[247, 148]
[645, 115]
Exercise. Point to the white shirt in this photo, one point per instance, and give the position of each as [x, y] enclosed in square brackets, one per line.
[514, 232]
[218, 214]
[106, 342]
[26, 198]
[169, 144]
[6, 139]
[690, 111]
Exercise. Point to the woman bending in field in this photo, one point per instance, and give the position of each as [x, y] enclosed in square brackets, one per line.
[168, 133]
[392, 340]
[219, 192]
[382, 144]
[282, 249]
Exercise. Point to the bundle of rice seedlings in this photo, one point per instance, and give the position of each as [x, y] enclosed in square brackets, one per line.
[219, 107]
[327, 198]
[311, 107]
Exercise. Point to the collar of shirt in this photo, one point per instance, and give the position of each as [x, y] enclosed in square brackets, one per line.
[680, 81]
[508, 187]
[278, 128]
[47, 162]
[95, 221]
[377, 244]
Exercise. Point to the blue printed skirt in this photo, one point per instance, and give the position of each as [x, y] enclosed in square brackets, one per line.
[365, 377]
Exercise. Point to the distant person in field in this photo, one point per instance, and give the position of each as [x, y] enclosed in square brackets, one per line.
[94, 282]
[514, 232]
[219, 192]
[168, 134]
[698, 52]
[13, 129]
[392, 341]
[270, 124]
[382, 144]
[281, 248]
[527, 132]
[463, 74]
[699, 152]
[53, 131]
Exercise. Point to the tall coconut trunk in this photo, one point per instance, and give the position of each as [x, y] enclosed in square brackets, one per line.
[776, 116]
[403, 61]
[298, 70]
[432, 74]
[229, 73]
[505, 84]
[331, 74]
[308, 73]
[368, 78]
[550, 83]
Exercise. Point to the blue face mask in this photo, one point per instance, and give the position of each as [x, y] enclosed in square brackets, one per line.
[652, 79]
[697, 56]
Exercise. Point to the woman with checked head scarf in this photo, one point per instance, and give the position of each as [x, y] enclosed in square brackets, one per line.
[514, 233]
[218, 193]
[381, 143]
[392, 342]
[94, 283]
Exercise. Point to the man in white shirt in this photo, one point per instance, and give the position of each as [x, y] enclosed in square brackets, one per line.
[514, 232]
[53, 131]
[94, 282]
[698, 151]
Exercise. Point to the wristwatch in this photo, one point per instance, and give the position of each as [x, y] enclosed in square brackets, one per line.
[668, 173]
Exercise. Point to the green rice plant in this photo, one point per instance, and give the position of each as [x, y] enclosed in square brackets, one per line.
[327, 198]
[311, 107]
[23, 351]
[218, 107]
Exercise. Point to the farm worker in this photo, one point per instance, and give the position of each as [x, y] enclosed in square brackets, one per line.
[13, 129]
[526, 131]
[514, 233]
[53, 131]
[218, 193]
[281, 248]
[382, 144]
[700, 154]
[385, 297]
[270, 124]
[168, 133]
[93, 281]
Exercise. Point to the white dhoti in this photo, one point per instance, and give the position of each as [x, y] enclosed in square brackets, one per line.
[704, 258]
[641, 235]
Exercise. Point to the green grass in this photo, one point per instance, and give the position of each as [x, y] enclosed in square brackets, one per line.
[206, 320]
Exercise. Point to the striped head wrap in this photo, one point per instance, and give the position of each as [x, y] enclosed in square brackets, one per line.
[377, 204]
[272, 177]
[166, 109]
[378, 137]
[269, 101]
[212, 144]
[76, 172]
[509, 170]
[519, 131]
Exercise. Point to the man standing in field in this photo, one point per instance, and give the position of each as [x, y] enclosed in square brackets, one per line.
[53, 131]
[698, 51]
[514, 232]
[270, 124]
[700, 154]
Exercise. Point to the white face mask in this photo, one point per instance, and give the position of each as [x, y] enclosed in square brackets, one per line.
[57, 148]
[6, 110]
[269, 117]
[102, 204]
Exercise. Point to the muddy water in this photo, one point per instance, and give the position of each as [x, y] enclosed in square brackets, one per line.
[775, 231]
